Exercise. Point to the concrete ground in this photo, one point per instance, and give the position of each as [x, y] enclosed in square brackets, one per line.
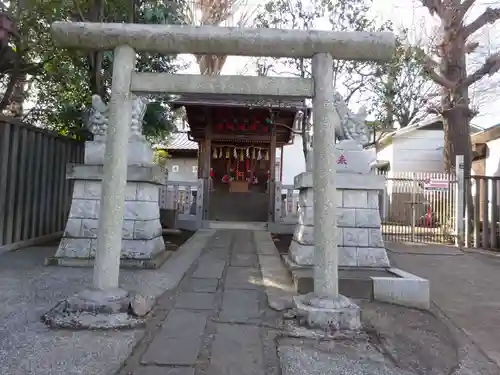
[213, 318]
[465, 287]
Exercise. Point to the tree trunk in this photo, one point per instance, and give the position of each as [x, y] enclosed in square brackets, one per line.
[455, 109]
[16, 104]
[456, 136]
[96, 14]
[455, 99]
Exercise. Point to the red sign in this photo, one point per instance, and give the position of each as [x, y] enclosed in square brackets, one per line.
[435, 184]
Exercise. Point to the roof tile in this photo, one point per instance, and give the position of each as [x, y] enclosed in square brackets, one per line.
[180, 141]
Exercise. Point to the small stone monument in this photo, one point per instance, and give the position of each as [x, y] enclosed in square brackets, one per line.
[142, 241]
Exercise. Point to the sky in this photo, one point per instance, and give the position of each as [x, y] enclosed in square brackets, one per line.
[412, 15]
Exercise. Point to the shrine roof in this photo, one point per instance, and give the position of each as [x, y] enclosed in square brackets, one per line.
[251, 101]
[179, 142]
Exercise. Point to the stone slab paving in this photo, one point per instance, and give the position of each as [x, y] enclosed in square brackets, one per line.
[237, 349]
[178, 341]
[218, 322]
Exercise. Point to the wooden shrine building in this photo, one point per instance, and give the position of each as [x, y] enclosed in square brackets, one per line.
[238, 137]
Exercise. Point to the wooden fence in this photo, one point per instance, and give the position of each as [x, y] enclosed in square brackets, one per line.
[35, 196]
[482, 230]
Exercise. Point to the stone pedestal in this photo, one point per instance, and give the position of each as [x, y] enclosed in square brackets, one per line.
[142, 241]
[330, 313]
[100, 310]
[139, 151]
[360, 242]
[302, 246]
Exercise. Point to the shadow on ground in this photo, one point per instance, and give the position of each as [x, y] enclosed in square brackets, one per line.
[399, 341]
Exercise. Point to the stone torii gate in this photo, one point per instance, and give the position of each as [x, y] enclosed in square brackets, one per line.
[321, 46]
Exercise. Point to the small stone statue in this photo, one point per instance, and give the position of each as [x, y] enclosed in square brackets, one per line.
[98, 120]
[352, 126]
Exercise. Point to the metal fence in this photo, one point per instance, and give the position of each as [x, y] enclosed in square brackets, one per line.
[35, 196]
[419, 207]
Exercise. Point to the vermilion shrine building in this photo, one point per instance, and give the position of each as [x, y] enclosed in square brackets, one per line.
[238, 137]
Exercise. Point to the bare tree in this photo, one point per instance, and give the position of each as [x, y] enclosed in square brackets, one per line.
[448, 68]
[401, 88]
[216, 12]
[342, 15]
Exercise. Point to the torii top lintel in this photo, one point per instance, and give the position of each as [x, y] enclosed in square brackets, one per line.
[173, 39]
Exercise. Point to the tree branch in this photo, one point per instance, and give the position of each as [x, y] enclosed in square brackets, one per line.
[490, 15]
[434, 6]
[466, 6]
[490, 67]
[430, 68]
[79, 11]
[352, 91]
[471, 47]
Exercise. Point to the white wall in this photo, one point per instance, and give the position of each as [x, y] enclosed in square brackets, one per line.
[386, 154]
[418, 151]
[293, 160]
[185, 172]
[492, 163]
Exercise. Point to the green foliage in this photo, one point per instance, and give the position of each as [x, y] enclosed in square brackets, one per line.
[158, 121]
[160, 157]
[63, 88]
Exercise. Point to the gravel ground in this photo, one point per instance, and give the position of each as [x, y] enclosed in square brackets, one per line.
[29, 289]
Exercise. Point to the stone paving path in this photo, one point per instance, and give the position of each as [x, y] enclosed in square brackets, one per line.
[217, 321]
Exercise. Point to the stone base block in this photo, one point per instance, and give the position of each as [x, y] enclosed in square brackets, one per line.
[85, 248]
[139, 152]
[291, 265]
[98, 309]
[388, 285]
[376, 257]
[153, 263]
[301, 254]
[350, 181]
[304, 235]
[353, 283]
[334, 314]
[142, 239]
[403, 289]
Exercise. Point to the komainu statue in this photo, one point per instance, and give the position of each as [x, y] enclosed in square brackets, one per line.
[98, 119]
[352, 126]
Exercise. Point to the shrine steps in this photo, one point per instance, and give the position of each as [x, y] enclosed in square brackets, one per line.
[259, 226]
[238, 207]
